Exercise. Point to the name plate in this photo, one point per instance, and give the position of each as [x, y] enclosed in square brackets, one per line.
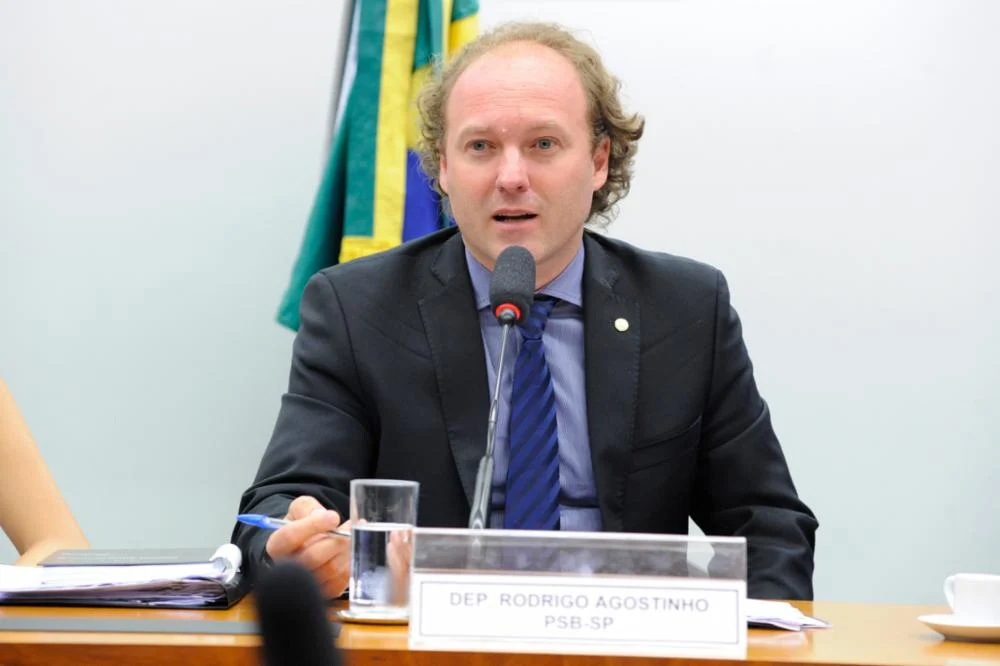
[657, 616]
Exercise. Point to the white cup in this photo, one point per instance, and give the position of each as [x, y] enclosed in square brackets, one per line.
[974, 597]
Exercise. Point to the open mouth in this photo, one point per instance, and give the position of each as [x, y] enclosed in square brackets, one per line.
[515, 217]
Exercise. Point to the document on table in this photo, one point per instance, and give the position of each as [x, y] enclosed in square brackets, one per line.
[199, 584]
[780, 615]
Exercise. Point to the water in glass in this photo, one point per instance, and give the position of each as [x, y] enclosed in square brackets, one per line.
[380, 571]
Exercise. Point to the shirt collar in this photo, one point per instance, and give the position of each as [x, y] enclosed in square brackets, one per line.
[567, 286]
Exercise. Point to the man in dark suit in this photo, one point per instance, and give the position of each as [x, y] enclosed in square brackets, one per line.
[643, 412]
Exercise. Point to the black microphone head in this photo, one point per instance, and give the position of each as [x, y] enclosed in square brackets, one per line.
[291, 611]
[512, 285]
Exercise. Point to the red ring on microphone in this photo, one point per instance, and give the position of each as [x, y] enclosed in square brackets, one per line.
[504, 308]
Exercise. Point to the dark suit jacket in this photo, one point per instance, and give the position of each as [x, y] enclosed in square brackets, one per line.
[388, 379]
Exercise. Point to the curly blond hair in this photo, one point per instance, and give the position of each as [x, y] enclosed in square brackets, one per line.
[607, 117]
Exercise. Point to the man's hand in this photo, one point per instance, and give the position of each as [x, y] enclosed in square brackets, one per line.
[328, 557]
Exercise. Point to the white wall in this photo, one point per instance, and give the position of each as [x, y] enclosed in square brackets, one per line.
[835, 159]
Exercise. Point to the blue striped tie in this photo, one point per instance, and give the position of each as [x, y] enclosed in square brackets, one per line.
[533, 471]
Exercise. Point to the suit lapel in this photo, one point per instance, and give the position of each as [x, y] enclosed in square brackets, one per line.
[448, 310]
[612, 367]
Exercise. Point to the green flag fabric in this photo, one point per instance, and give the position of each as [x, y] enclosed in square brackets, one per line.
[373, 195]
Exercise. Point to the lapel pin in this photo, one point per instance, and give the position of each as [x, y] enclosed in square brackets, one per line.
[621, 325]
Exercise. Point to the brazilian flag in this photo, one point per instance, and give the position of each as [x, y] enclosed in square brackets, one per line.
[373, 195]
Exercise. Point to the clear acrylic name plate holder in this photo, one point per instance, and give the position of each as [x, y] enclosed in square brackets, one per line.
[578, 592]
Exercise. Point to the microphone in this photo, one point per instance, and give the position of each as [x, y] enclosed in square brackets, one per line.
[512, 289]
[291, 611]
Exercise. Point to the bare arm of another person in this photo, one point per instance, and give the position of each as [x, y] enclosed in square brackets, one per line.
[33, 512]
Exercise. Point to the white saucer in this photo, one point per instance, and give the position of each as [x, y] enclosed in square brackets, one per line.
[953, 628]
[346, 615]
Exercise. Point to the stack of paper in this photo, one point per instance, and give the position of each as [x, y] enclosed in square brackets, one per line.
[199, 584]
[780, 615]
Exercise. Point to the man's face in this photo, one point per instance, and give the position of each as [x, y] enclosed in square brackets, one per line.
[517, 161]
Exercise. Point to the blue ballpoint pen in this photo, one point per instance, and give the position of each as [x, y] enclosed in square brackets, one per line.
[269, 523]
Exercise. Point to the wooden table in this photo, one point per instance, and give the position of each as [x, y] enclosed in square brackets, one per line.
[862, 634]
